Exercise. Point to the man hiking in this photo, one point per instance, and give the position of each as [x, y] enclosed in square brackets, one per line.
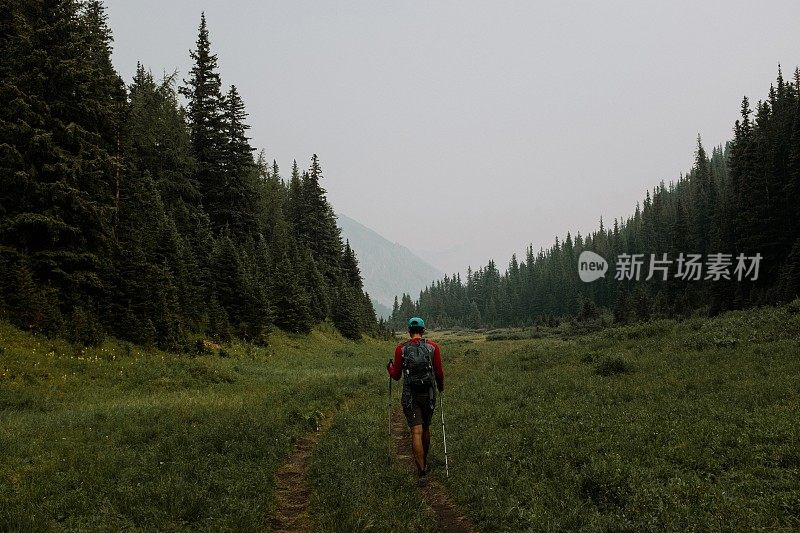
[419, 361]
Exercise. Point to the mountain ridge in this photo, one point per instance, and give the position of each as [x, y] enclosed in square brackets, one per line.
[389, 268]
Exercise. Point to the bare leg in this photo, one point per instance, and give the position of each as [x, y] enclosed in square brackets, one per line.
[418, 448]
[426, 443]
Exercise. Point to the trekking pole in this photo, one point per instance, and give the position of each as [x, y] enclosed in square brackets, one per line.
[389, 434]
[444, 434]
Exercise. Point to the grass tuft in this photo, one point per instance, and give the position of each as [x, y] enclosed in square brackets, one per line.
[613, 365]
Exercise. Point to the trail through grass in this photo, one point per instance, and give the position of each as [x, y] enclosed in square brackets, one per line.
[355, 486]
[656, 426]
[115, 438]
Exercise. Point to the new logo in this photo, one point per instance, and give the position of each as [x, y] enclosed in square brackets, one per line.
[591, 266]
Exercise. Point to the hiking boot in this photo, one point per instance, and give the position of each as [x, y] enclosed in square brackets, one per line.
[423, 481]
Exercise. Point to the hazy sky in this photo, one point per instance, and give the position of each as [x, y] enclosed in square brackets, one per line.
[466, 130]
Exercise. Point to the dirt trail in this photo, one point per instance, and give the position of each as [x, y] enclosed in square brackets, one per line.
[292, 493]
[448, 516]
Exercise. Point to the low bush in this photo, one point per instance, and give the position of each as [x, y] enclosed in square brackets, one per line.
[610, 366]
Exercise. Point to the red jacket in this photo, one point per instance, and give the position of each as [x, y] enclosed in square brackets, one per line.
[396, 368]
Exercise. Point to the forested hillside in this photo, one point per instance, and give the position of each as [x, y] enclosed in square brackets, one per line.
[743, 199]
[123, 212]
[388, 267]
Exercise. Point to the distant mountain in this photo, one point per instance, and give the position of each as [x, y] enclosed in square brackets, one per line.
[381, 310]
[388, 268]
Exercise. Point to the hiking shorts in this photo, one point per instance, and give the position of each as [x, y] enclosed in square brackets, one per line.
[418, 407]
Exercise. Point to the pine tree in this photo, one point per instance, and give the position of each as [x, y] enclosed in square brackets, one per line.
[219, 327]
[587, 309]
[346, 312]
[230, 284]
[319, 232]
[350, 270]
[743, 199]
[158, 152]
[703, 201]
[256, 311]
[314, 284]
[369, 324]
[291, 301]
[104, 197]
[273, 193]
[235, 200]
[144, 255]
[59, 167]
[622, 308]
[35, 308]
[295, 212]
[474, 318]
[293, 306]
[206, 118]
[394, 319]
[642, 304]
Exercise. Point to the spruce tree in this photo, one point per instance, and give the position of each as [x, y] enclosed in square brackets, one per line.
[622, 308]
[294, 209]
[346, 312]
[319, 231]
[235, 199]
[206, 110]
[474, 318]
[273, 193]
[60, 165]
[219, 327]
[230, 283]
[158, 147]
[369, 323]
[293, 309]
[145, 254]
[293, 305]
[314, 284]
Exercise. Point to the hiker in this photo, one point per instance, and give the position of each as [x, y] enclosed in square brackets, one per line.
[419, 361]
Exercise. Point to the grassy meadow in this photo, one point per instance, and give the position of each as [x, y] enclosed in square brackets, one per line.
[665, 425]
[658, 426]
[116, 437]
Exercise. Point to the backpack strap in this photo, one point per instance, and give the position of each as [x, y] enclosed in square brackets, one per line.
[428, 351]
[428, 347]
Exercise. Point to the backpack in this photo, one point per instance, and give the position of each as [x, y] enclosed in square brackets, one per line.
[418, 365]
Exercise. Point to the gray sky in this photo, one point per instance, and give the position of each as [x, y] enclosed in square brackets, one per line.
[466, 130]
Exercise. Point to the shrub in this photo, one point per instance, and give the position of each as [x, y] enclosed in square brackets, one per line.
[726, 342]
[472, 352]
[610, 366]
[343, 352]
[606, 485]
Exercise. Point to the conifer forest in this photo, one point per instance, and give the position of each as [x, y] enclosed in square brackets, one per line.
[743, 198]
[123, 212]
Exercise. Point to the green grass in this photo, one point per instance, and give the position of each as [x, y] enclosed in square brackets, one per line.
[115, 438]
[660, 426]
[354, 487]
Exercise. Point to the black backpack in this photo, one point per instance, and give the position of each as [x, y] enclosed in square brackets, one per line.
[418, 365]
